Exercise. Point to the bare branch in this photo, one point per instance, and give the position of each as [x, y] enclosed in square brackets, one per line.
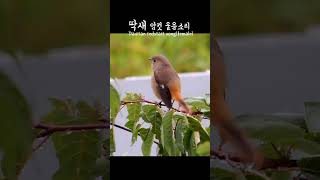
[267, 164]
[50, 129]
[42, 142]
[123, 103]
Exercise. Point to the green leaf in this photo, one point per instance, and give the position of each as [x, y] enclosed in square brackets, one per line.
[147, 143]
[16, 133]
[305, 145]
[112, 142]
[130, 125]
[77, 154]
[86, 112]
[77, 151]
[152, 115]
[144, 117]
[204, 149]
[198, 104]
[189, 142]
[292, 118]
[271, 131]
[143, 133]
[274, 129]
[151, 112]
[310, 165]
[114, 103]
[102, 168]
[181, 128]
[133, 109]
[135, 134]
[162, 151]
[222, 174]
[313, 137]
[312, 113]
[281, 175]
[167, 137]
[103, 163]
[269, 151]
[208, 129]
[105, 138]
[156, 128]
[196, 126]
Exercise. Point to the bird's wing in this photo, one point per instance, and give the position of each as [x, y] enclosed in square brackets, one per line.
[163, 90]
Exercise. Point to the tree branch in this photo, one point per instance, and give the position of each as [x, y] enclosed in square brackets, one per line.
[267, 164]
[43, 141]
[123, 103]
[129, 130]
[50, 129]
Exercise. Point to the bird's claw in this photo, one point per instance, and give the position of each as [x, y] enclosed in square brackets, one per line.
[160, 104]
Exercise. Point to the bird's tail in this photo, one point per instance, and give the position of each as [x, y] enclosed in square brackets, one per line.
[240, 142]
[184, 105]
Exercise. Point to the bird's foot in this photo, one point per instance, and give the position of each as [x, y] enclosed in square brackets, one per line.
[160, 104]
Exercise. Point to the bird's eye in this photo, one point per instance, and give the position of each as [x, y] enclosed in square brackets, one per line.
[154, 60]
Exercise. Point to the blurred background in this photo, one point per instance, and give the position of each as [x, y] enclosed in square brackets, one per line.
[34, 26]
[129, 54]
[52, 48]
[247, 17]
[271, 51]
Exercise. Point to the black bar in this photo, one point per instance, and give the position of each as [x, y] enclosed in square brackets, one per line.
[160, 168]
[197, 13]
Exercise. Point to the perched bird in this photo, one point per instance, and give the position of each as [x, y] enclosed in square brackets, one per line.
[165, 82]
[222, 116]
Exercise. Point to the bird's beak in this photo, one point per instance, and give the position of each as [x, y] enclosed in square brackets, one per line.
[149, 59]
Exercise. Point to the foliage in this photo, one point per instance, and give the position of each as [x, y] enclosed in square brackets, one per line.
[78, 152]
[174, 133]
[16, 123]
[129, 54]
[34, 26]
[288, 138]
[81, 154]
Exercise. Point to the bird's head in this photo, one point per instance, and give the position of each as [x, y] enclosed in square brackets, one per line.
[159, 61]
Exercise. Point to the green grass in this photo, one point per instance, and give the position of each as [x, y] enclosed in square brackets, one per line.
[129, 54]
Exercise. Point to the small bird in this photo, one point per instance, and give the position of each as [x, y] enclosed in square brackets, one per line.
[165, 83]
[222, 116]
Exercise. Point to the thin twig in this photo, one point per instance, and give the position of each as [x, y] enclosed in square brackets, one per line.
[276, 149]
[50, 129]
[123, 103]
[43, 141]
[129, 130]
[268, 164]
